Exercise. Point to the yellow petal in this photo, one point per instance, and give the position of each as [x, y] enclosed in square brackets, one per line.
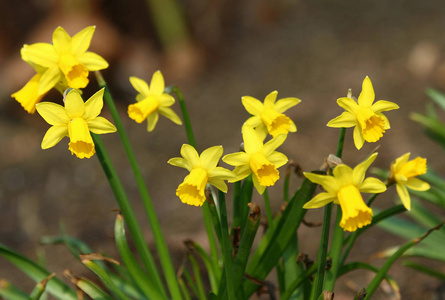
[256, 122]
[241, 172]
[343, 174]
[358, 137]
[252, 105]
[319, 200]
[100, 125]
[92, 61]
[27, 96]
[53, 136]
[61, 41]
[141, 110]
[220, 173]
[74, 105]
[190, 155]
[80, 42]
[236, 159]
[355, 213]
[278, 159]
[219, 184]
[170, 114]
[42, 54]
[417, 184]
[273, 144]
[81, 143]
[157, 84]
[252, 142]
[265, 172]
[383, 105]
[348, 104]
[140, 86]
[358, 174]
[372, 185]
[257, 185]
[210, 157]
[329, 183]
[192, 190]
[284, 104]
[367, 95]
[269, 101]
[404, 195]
[346, 120]
[179, 162]
[94, 105]
[399, 162]
[152, 120]
[52, 113]
[49, 79]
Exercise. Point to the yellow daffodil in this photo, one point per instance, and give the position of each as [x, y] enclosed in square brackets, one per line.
[203, 169]
[75, 120]
[369, 122]
[269, 117]
[344, 188]
[66, 60]
[404, 173]
[28, 96]
[151, 101]
[259, 159]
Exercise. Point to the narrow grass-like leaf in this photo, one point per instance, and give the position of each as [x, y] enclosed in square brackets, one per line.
[436, 96]
[11, 292]
[88, 287]
[190, 281]
[184, 290]
[40, 287]
[299, 281]
[425, 269]
[55, 287]
[137, 274]
[198, 279]
[291, 269]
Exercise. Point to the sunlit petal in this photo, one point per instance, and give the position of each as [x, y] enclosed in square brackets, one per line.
[74, 105]
[270, 99]
[252, 105]
[417, 184]
[367, 96]
[157, 84]
[358, 174]
[210, 157]
[94, 105]
[236, 159]
[140, 85]
[53, 136]
[42, 54]
[170, 114]
[383, 105]
[80, 42]
[319, 200]
[359, 141]
[190, 155]
[284, 104]
[92, 61]
[52, 113]
[402, 191]
[100, 125]
[348, 104]
[346, 119]
[372, 185]
[61, 41]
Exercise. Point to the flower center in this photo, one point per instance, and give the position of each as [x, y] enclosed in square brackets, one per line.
[191, 191]
[81, 142]
[372, 125]
[140, 111]
[413, 168]
[265, 171]
[276, 123]
[75, 73]
[355, 212]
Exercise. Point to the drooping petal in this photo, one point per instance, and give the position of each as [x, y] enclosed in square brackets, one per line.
[236, 159]
[61, 41]
[252, 105]
[210, 157]
[74, 105]
[170, 114]
[328, 182]
[157, 84]
[284, 104]
[367, 96]
[221, 174]
[80, 42]
[152, 120]
[100, 125]
[42, 54]
[359, 141]
[92, 61]
[372, 185]
[27, 96]
[346, 119]
[358, 174]
[190, 155]
[140, 86]
[53, 136]
[52, 113]
[417, 184]
[219, 184]
[270, 99]
[348, 104]
[383, 105]
[273, 144]
[49, 79]
[252, 142]
[319, 200]
[278, 159]
[94, 105]
[402, 191]
[257, 185]
[180, 162]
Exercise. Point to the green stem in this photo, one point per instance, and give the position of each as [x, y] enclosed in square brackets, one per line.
[127, 211]
[185, 114]
[322, 252]
[268, 210]
[160, 243]
[341, 141]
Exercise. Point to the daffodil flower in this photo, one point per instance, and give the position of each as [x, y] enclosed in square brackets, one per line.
[28, 96]
[259, 159]
[344, 188]
[269, 117]
[404, 173]
[75, 120]
[203, 169]
[369, 122]
[151, 101]
[66, 60]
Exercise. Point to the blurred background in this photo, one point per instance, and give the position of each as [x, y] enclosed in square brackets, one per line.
[216, 52]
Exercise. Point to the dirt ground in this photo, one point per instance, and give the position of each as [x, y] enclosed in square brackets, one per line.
[313, 50]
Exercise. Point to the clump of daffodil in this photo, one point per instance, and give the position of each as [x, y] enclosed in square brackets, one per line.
[369, 122]
[269, 117]
[258, 159]
[404, 173]
[75, 120]
[62, 64]
[203, 169]
[152, 101]
[344, 188]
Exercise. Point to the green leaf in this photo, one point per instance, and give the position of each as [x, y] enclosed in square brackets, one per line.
[55, 287]
[11, 292]
[436, 96]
